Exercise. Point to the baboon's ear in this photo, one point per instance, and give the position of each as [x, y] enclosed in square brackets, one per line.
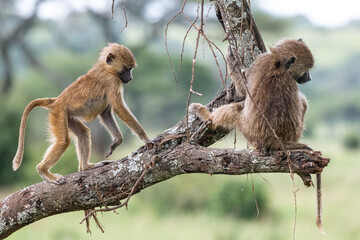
[110, 57]
[288, 62]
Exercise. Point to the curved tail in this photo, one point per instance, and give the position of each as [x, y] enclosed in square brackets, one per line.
[41, 102]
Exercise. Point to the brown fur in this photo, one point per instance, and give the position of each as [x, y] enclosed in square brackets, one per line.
[97, 93]
[272, 86]
[271, 81]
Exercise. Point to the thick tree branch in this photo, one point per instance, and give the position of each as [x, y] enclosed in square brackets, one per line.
[114, 181]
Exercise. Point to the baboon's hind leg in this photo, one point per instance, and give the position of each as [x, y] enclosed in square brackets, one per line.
[59, 128]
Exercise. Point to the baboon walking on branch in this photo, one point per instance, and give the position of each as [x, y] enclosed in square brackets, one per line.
[97, 93]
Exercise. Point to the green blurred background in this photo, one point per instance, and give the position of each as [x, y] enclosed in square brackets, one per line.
[46, 45]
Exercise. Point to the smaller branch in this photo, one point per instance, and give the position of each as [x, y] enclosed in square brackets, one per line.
[256, 203]
[295, 215]
[126, 20]
[193, 64]
[210, 43]
[124, 9]
[166, 46]
[185, 37]
[112, 9]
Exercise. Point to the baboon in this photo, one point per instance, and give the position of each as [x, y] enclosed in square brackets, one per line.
[274, 97]
[97, 93]
[274, 100]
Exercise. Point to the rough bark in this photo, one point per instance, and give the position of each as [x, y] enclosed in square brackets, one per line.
[176, 151]
[113, 182]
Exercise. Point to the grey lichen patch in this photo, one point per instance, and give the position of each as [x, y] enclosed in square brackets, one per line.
[3, 226]
[174, 164]
[229, 3]
[255, 161]
[246, 44]
[149, 178]
[191, 117]
[25, 215]
[134, 163]
[116, 169]
[178, 129]
[235, 15]
[134, 167]
[172, 130]
[2, 219]
[247, 47]
[5, 223]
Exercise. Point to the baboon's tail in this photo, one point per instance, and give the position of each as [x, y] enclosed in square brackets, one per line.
[41, 102]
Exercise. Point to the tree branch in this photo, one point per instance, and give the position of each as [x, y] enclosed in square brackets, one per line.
[115, 181]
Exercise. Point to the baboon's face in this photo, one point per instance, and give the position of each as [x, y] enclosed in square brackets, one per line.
[125, 75]
[298, 71]
[298, 59]
[122, 61]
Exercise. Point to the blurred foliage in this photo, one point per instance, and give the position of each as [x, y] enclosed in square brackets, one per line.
[226, 198]
[177, 195]
[235, 200]
[9, 119]
[271, 24]
[352, 141]
[153, 80]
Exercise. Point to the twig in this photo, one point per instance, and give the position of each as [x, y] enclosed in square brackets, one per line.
[202, 33]
[166, 46]
[124, 9]
[112, 9]
[267, 181]
[97, 221]
[185, 37]
[193, 64]
[210, 43]
[256, 203]
[295, 217]
[125, 16]
[99, 195]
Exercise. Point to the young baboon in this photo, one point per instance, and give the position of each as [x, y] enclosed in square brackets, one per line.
[274, 100]
[97, 93]
[271, 81]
